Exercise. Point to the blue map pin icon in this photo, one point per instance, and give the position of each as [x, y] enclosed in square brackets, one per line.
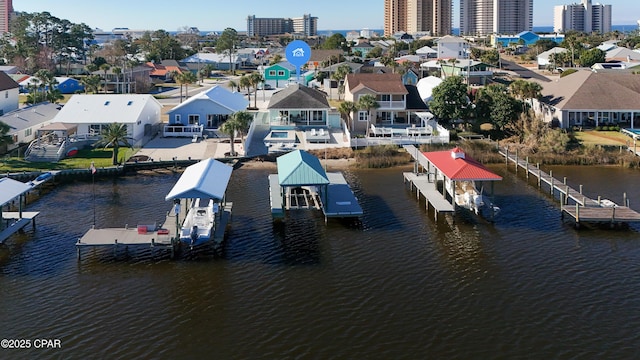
[298, 53]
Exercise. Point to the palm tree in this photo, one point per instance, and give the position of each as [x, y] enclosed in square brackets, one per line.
[117, 71]
[5, 138]
[91, 83]
[53, 95]
[255, 79]
[245, 83]
[233, 85]
[188, 78]
[347, 108]
[114, 134]
[368, 102]
[105, 67]
[238, 123]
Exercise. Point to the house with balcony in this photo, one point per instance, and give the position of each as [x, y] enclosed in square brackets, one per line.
[401, 111]
[126, 80]
[453, 47]
[473, 72]
[25, 122]
[204, 111]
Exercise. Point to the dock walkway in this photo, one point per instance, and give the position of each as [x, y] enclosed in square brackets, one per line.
[14, 222]
[428, 189]
[163, 236]
[586, 209]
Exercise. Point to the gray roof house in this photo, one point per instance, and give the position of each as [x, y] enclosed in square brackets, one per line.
[24, 123]
[588, 99]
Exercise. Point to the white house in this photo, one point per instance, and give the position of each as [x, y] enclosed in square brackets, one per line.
[9, 91]
[545, 58]
[93, 112]
[453, 47]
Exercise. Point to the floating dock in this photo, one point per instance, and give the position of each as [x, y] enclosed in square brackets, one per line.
[14, 222]
[586, 209]
[163, 236]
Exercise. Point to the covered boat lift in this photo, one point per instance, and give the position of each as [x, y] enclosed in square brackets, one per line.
[207, 179]
[302, 183]
[12, 222]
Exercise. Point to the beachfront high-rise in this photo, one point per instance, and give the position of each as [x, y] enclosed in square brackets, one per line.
[483, 17]
[418, 16]
[305, 25]
[584, 17]
[6, 12]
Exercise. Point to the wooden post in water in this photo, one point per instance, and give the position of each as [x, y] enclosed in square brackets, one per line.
[580, 189]
[551, 181]
[577, 215]
[624, 199]
[516, 162]
[598, 199]
[566, 198]
[527, 169]
[564, 180]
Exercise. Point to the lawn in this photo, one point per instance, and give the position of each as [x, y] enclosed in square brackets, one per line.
[593, 137]
[100, 158]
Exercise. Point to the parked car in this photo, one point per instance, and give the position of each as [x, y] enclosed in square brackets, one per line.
[265, 86]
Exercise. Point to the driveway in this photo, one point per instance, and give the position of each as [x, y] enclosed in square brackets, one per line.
[523, 72]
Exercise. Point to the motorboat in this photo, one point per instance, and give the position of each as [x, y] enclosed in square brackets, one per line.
[467, 196]
[199, 224]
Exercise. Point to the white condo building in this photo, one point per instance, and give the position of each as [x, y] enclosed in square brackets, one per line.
[584, 17]
[483, 17]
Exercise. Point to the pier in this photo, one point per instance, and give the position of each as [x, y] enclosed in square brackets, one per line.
[163, 236]
[428, 190]
[586, 209]
[12, 222]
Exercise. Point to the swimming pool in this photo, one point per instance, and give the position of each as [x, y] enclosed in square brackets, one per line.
[281, 136]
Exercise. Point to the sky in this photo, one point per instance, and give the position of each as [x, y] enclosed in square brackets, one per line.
[208, 15]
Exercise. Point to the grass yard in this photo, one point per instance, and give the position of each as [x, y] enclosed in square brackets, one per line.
[593, 137]
[100, 157]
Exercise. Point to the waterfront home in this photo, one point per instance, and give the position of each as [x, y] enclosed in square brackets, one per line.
[24, 123]
[206, 110]
[9, 92]
[90, 113]
[587, 99]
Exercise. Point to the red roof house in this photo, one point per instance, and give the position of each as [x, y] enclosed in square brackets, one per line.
[457, 166]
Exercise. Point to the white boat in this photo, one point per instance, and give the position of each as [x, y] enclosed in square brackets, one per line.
[468, 197]
[199, 224]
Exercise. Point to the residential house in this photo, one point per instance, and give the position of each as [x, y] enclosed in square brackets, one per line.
[91, 113]
[278, 75]
[24, 123]
[195, 62]
[425, 87]
[364, 47]
[621, 54]
[129, 80]
[9, 93]
[426, 53]
[587, 99]
[390, 93]
[9, 69]
[453, 47]
[206, 110]
[300, 106]
[410, 77]
[545, 59]
[473, 72]
[164, 71]
[65, 85]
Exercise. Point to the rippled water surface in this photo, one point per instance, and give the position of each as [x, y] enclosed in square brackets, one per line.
[399, 285]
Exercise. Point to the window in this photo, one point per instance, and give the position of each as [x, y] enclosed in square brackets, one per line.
[280, 72]
[194, 119]
[27, 132]
[363, 116]
[178, 119]
[6, 94]
[272, 73]
[385, 97]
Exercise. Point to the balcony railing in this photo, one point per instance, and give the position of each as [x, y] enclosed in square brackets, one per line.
[182, 131]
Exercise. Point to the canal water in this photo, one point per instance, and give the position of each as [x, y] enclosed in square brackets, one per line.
[397, 286]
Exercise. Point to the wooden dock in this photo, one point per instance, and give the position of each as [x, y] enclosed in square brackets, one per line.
[14, 222]
[428, 189]
[163, 236]
[586, 209]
